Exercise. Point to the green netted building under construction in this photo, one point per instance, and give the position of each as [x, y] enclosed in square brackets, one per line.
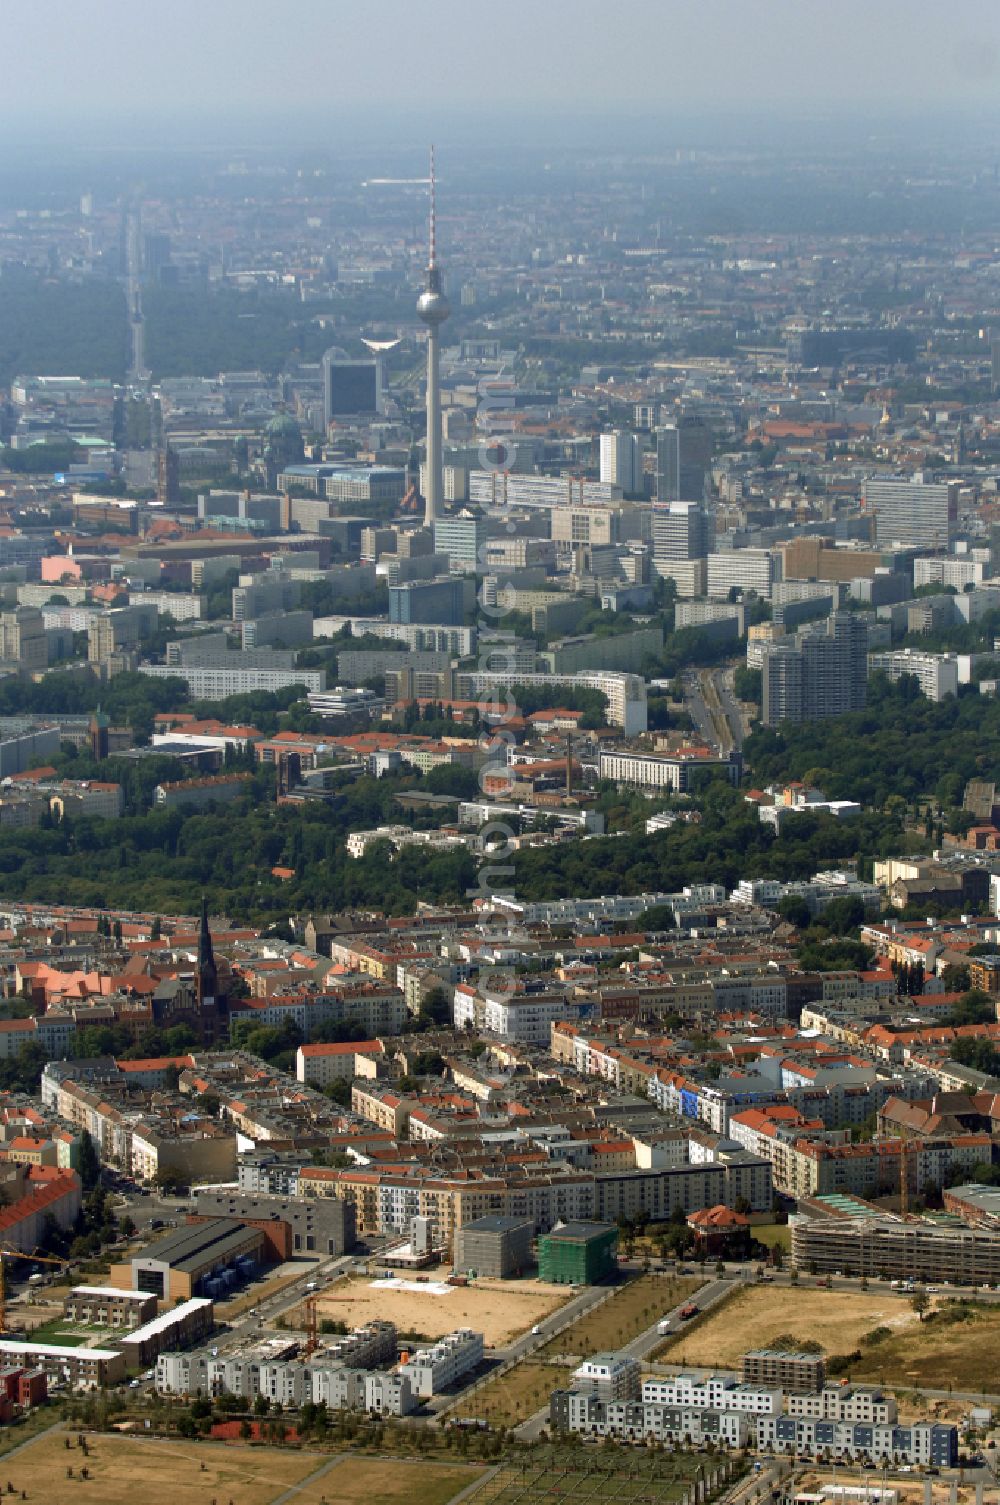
[578, 1254]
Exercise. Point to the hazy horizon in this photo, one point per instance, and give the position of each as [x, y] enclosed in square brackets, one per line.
[104, 73]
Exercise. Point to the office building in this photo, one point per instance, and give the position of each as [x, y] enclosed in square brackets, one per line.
[350, 387]
[823, 671]
[912, 514]
[680, 531]
[621, 461]
[742, 570]
[668, 464]
[440, 600]
[695, 458]
[462, 537]
[365, 483]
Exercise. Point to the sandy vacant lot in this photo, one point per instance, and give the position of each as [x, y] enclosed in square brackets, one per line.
[909, 1489]
[359, 1481]
[754, 1316]
[125, 1469]
[500, 1309]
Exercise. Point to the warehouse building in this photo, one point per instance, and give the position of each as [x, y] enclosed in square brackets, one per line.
[494, 1246]
[319, 1225]
[578, 1254]
[209, 1258]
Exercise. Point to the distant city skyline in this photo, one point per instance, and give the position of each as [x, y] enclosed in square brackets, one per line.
[85, 66]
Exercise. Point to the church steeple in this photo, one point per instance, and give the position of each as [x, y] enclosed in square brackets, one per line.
[208, 975]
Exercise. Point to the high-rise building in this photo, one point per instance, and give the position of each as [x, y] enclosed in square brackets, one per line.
[22, 638]
[463, 538]
[668, 463]
[695, 440]
[433, 308]
[441, 600]
[680, 531]
[821, 672]
[350, 387]
[914, 514]
[621, 461]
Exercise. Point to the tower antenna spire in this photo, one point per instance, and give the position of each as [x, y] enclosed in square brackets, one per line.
[432, 310]
[432, 262]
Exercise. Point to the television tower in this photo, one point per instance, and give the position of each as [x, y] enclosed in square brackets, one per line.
[433, 309]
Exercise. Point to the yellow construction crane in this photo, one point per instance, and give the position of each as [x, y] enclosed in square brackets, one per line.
[7, 1253]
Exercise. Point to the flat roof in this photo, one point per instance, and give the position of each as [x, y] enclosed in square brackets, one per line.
[581, 1230]
[110, 1291]
[495, 1224]
[59, 1351]
[166, 1320]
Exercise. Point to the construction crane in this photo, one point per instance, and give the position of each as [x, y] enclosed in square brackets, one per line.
[312, 1340]
[8, 1253]
[904, 1173]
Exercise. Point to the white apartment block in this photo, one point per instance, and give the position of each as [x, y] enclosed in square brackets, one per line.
[936, 672]
[431, 1370]
[845, 1403]
[218, 684]
[712, 1392]
[744, 569]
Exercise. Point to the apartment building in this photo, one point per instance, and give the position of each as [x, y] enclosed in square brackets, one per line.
[775, 1368]
[936, 673]
[431, 1370]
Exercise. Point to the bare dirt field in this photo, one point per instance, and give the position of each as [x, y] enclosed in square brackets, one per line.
[124, 1469]
[359, 1481]
[754, 1316]
[500, 1309]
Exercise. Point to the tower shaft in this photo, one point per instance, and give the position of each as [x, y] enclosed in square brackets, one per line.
[435, 478]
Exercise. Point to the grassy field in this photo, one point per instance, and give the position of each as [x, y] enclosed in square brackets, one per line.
[754, 1316]
[359, 1481]
[773, 1234]
[124, 1469]
[551, 1476]
[514, 1396]
[629, 1312]
[956, 1346]
[499, 1309]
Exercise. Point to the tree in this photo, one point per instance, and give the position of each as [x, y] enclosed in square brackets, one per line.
[89, 1162]
[920, 1301]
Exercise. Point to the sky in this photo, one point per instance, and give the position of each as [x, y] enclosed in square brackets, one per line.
[126, 68]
